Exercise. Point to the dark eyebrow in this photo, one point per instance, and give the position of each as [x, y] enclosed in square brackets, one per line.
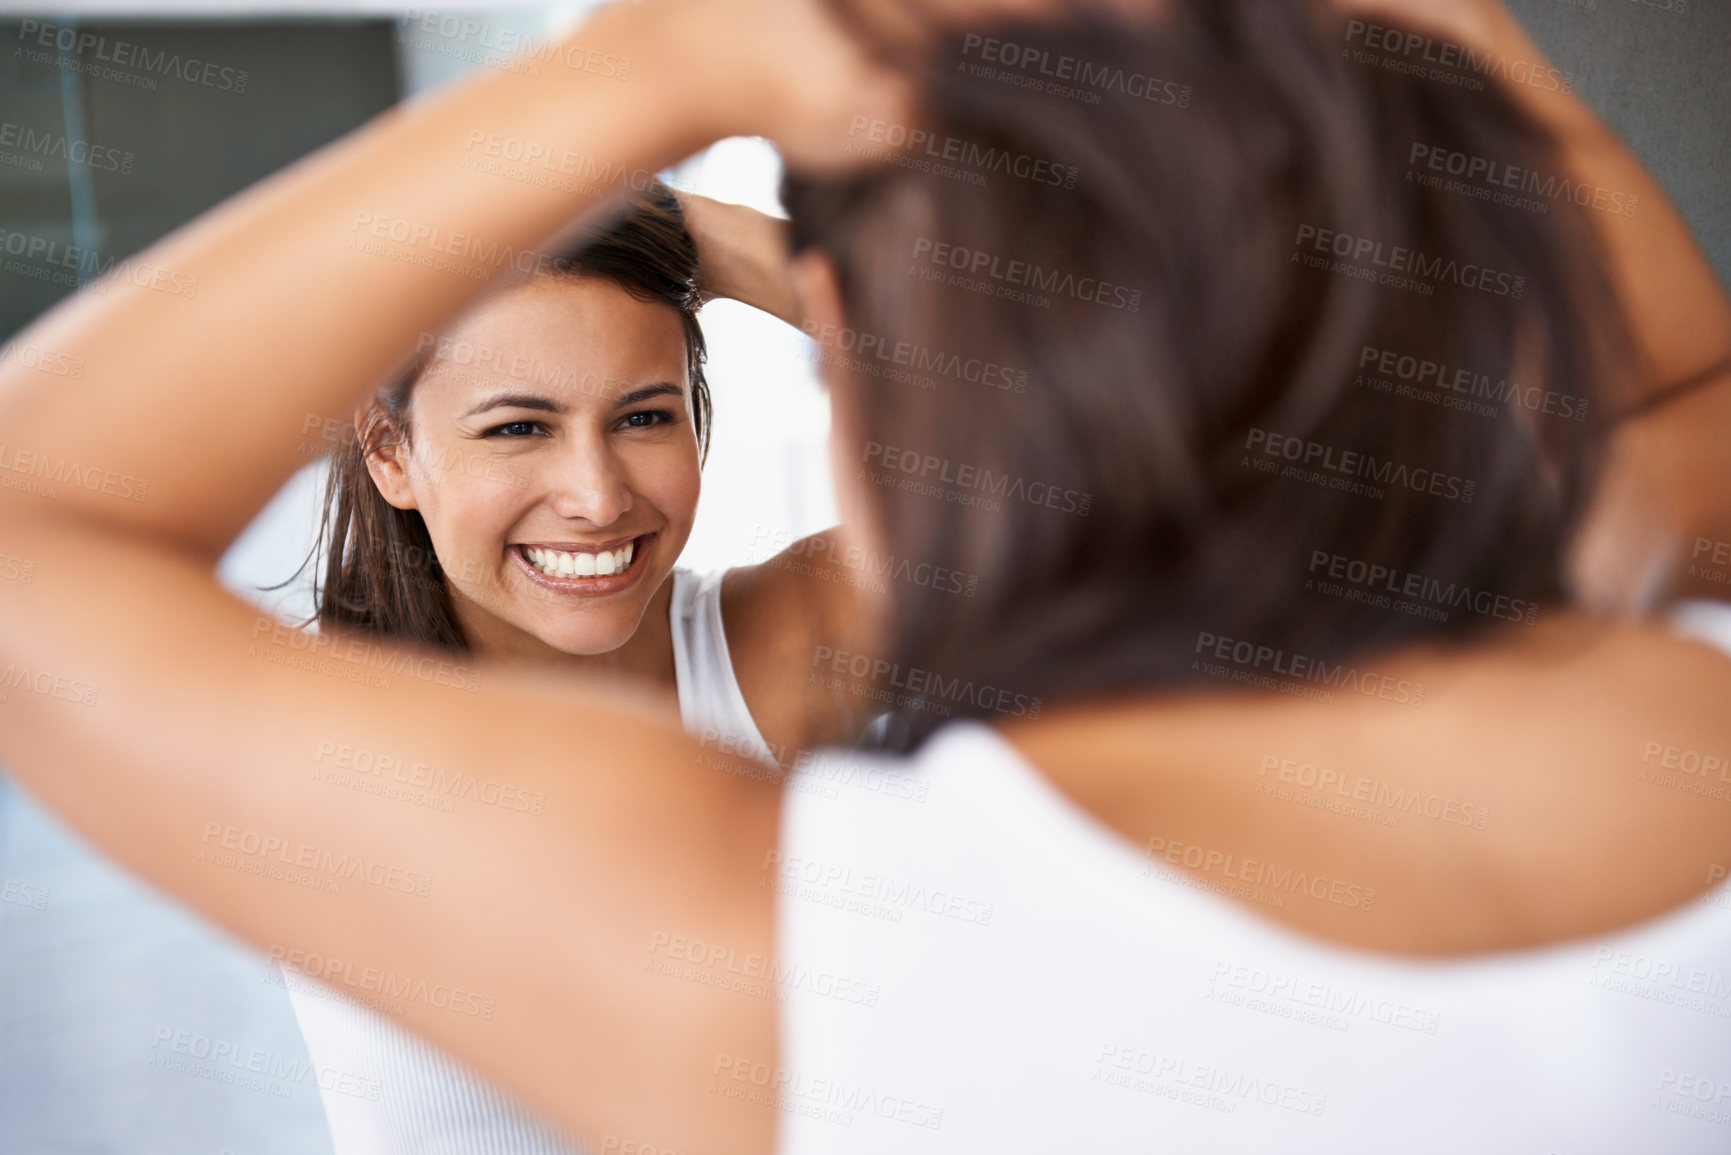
[657, 390]
[517, 401]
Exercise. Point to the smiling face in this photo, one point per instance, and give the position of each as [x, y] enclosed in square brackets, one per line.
[553, 456]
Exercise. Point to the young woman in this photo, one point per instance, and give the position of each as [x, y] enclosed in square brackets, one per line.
[1021, 982]
[524, 491]
[522, 495]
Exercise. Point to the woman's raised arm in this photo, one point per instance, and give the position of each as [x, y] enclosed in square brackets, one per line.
[221, 346]
[498, 862]
[280, 307]
[1666, 502]
[742, 255]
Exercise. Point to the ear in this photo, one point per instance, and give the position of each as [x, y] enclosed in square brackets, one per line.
[388, 462]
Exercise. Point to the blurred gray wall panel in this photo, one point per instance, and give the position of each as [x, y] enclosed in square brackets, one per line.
[128, 1026]
[192, 114]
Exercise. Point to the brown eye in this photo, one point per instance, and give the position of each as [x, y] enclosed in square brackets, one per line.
[515, 429]
[646, 418]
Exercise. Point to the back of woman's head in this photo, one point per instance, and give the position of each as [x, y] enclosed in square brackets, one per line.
[380, 573]
[1277, 366]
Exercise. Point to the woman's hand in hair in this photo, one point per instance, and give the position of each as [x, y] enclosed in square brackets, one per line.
[812, 75]
[789, 70]
[742, 254]
[1663, 510]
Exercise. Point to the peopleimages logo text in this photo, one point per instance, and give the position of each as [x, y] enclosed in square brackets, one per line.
[1399, 259]
[1071, 69]
[135, 56]
[1357, 464]
[1025, 274]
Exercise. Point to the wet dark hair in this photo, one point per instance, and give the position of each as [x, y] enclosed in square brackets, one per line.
[380, 572]
[1117, 511]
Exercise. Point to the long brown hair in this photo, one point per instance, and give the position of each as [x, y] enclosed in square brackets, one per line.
[1171, 321]
[380, 571]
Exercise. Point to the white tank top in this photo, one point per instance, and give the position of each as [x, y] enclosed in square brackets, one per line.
[400, 1096]
[710, 702]
[987, 968]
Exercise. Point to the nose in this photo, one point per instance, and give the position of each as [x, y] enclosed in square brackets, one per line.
[589, 483]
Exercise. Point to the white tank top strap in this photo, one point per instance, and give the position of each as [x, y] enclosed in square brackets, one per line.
[710, 702]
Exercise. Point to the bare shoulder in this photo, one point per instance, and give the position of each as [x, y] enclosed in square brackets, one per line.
[1552, 783]
[786, 620]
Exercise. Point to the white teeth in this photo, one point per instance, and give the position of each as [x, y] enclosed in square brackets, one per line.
[560, 563]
